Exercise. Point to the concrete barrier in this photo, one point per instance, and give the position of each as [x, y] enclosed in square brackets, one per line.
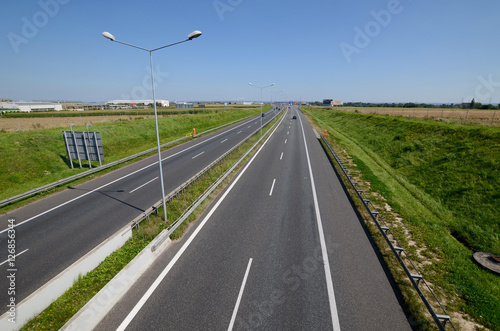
[45, 295]
[94, 311]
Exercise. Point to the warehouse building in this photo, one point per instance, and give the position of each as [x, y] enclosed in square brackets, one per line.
[163, 103]
[30, 106]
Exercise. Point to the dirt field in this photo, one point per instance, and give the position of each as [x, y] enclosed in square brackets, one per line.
[477, 117]
[28, 124]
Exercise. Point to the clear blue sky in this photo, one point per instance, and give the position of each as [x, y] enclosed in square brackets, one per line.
[350, 50]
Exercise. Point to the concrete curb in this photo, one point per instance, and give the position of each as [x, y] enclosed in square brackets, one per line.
[90, 315]
[57, 286]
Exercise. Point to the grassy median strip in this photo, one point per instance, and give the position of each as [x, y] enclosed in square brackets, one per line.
[61, 310]
[437, 185]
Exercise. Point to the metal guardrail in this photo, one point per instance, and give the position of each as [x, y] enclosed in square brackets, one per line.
[109, 165]
[415, 277]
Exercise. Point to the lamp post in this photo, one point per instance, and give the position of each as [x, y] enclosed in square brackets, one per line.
[261, 88]
[275, 97]
[191, 36]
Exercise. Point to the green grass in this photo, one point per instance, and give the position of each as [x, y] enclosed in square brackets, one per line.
[62, 309]
[35, 158]
[444, 180]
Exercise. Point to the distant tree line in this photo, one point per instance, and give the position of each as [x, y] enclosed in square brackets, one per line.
[471, 105]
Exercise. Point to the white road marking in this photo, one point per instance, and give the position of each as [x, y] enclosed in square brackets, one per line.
[249, 126]
[223, 141]
[240, 295]
[272, 187]
[288, 132]
[281, 157]
[165, 271]
[14, 256]
[143, 185]
[326, 262]
[286, 140]
[239, 132]
[123, 177]
[197, 155]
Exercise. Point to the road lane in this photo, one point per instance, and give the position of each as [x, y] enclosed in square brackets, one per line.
[286, 287]
[65, 226]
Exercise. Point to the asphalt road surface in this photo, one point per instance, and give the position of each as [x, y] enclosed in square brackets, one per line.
[281, 248]
[56, 231]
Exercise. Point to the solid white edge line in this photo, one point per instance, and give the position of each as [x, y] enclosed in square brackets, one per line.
[123, 177]
[152, 180]
[240, 295]
[194, 157]
[326, 262]
[14, 256]
[165, 271]
[272, 187]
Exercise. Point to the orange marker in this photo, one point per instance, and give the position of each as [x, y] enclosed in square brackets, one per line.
[194, 132]
[325, 134]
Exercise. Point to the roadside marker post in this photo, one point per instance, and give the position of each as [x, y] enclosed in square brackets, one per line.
[325, 134]
[194, 132]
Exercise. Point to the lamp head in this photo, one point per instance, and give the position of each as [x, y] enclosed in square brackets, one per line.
[194, 34]
[108, 36]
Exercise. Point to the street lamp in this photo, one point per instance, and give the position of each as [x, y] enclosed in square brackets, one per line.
[191, 36]
[275, 96]
[261, 88]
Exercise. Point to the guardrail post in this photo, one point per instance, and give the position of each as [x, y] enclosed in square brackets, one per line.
[415, 279]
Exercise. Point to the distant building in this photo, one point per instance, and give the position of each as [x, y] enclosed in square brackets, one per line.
[327, 102]
[164, 103]
[30, 106]
[184, 105]
[331, 103]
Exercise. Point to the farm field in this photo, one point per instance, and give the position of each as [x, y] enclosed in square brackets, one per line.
[437, 184]
[13, 122]
[446, 115]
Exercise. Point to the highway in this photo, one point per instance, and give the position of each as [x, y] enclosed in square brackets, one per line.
[56, 231]
[281, 248]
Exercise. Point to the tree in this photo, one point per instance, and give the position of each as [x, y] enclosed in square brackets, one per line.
[472, 104]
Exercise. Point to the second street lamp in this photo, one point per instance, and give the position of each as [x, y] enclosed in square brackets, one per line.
[261, 88]
[191, 36]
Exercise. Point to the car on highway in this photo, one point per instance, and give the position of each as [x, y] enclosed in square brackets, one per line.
[263, 114]
[294, 117]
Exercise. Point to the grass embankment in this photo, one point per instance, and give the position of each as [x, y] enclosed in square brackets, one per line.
[35, 158]
[65, 307]
[444, 181]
